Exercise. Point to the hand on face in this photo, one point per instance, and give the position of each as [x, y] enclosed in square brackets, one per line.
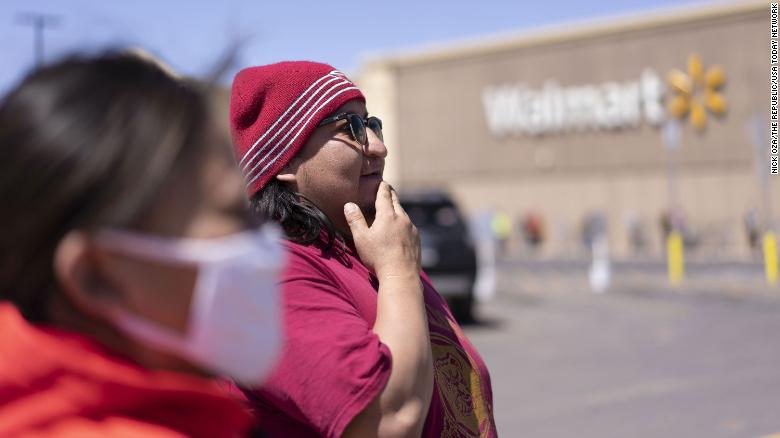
[391, 245]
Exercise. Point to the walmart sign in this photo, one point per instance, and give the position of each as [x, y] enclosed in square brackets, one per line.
[517, 109]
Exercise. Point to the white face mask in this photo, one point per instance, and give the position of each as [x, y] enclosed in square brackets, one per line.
[234, 322]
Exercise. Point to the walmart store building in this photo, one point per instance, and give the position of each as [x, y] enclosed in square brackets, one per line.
[573, 120]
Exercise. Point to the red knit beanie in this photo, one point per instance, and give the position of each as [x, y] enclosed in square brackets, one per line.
[275, 108]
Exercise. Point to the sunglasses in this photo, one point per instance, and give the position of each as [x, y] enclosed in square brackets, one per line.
[356, 126]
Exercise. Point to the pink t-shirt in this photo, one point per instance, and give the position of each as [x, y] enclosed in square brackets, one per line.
[333, 365]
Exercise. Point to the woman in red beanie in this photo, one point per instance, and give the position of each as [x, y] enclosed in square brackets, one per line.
[371, 349]
[129, 274]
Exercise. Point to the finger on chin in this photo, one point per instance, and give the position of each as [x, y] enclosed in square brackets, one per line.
[383, 199]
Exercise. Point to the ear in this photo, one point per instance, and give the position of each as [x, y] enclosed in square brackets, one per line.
[288, 172]
[286, 177]
[76, 270]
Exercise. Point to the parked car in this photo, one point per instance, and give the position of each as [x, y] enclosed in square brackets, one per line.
[448, 255]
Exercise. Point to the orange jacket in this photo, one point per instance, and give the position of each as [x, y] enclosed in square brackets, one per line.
[56, 383]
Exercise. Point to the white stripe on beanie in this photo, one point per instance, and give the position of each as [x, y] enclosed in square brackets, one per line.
[290, 108]
[310, 110]
[279, 154]
[290, 119]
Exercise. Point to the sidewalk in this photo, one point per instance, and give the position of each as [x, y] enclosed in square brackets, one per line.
[636, 276]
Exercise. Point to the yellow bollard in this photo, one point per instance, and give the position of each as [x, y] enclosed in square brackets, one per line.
[675, 257]
[770, 257]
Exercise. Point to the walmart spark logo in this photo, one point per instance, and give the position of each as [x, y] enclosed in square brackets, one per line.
[697, 91]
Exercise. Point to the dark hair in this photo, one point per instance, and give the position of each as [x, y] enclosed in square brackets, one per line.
[86, 143]
[302, 221]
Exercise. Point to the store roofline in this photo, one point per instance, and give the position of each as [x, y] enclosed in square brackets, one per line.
[563, 32]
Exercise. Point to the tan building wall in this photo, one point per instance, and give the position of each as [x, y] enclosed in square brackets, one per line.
[438, 133]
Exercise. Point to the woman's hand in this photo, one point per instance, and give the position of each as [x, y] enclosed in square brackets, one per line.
[390, 247]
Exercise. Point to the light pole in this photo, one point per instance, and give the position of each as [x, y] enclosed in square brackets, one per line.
[675, 249]
[39, 22]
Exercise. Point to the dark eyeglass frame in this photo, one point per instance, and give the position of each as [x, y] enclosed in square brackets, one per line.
[357, 126]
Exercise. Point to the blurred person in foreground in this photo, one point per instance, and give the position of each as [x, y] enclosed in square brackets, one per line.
[129, 274]
[371, 349]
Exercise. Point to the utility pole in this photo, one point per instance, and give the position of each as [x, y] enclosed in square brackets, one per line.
[39, 22]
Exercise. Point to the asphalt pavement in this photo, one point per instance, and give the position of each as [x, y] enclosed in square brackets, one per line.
[644, 359]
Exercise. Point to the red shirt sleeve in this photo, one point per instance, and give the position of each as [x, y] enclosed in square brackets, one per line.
[332, 364]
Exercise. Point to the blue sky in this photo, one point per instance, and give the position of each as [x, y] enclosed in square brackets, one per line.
[191, 35]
